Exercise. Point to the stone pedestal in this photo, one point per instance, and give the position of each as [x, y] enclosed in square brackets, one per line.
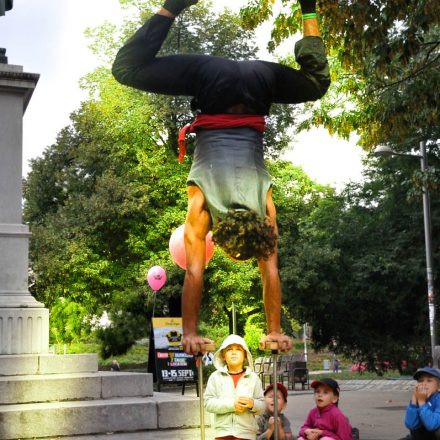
[43, 395]
[24, 322]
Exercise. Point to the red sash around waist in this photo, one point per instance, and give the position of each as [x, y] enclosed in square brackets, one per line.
[214, 122]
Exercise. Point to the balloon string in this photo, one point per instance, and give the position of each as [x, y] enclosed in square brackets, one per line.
[154, 302]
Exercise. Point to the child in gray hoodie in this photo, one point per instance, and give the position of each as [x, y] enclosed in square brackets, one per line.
[234, 392]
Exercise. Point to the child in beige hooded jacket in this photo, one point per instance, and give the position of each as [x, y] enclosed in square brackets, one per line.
[234, 392]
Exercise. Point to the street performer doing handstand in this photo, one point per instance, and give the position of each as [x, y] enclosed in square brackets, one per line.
[229, 189]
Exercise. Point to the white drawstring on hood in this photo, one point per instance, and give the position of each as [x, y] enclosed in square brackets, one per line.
[219, 361]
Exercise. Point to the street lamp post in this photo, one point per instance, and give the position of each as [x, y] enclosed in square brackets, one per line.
[386, 151]
[305, 341]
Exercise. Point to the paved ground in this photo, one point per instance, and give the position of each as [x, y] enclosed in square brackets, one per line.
[376, 408]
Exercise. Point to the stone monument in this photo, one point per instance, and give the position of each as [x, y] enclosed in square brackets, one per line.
[24, 322]
[42, 394]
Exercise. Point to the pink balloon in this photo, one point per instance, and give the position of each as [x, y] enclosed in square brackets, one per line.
[156, 277]
[177, 247]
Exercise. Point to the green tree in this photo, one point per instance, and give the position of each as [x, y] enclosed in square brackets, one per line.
[103, 200]
[357, 271]
[385, 66]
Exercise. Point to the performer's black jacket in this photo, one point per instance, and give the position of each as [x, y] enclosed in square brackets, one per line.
[215, 83]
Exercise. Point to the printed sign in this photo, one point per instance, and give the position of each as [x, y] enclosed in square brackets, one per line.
[172, 363]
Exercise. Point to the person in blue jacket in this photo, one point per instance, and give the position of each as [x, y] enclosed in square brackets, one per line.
[423, 412]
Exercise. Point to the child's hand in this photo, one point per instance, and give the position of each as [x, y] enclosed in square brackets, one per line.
[313, 434]
[414, 396]
[281, 435]
[247, 402]
[272, 422]
[308, 433]
[239, 405]
[318, 433]
[421, 393]
[270, 427]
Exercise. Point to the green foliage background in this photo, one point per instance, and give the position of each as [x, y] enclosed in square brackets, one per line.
[357, 271]
[103, 201]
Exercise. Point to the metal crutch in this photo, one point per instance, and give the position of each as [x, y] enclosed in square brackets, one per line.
[273, 347]
[206, 348]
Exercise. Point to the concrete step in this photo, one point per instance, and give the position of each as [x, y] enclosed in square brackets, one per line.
[161, 434]
[162, 411]
[74, 386]
[21, 364]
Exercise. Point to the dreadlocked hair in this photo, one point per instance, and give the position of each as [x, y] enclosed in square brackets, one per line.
[242, 234]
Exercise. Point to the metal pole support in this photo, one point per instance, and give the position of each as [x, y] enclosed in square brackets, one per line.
[273, 347]
[275, 391]
[201, 400]
[205, 348]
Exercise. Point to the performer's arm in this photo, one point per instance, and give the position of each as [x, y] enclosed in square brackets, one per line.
[197, 225]
[272, 288]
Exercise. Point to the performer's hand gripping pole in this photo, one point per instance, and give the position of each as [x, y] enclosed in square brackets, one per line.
[205, 348]
[273, 347]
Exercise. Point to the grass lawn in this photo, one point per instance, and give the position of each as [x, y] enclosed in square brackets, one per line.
[135, 359]
[366, 375]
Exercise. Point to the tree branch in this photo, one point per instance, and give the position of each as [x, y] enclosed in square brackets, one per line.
[412, 75]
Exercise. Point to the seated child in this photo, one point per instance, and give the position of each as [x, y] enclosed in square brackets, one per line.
[326, 421]
[234, 392]
[266, 423]
[423, 412]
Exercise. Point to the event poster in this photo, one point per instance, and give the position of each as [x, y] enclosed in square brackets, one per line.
[172, 363]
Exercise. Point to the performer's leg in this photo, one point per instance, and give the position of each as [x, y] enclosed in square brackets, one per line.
[141, 48]
[136, 64]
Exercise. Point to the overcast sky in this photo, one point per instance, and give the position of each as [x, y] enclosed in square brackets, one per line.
[47, 37]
